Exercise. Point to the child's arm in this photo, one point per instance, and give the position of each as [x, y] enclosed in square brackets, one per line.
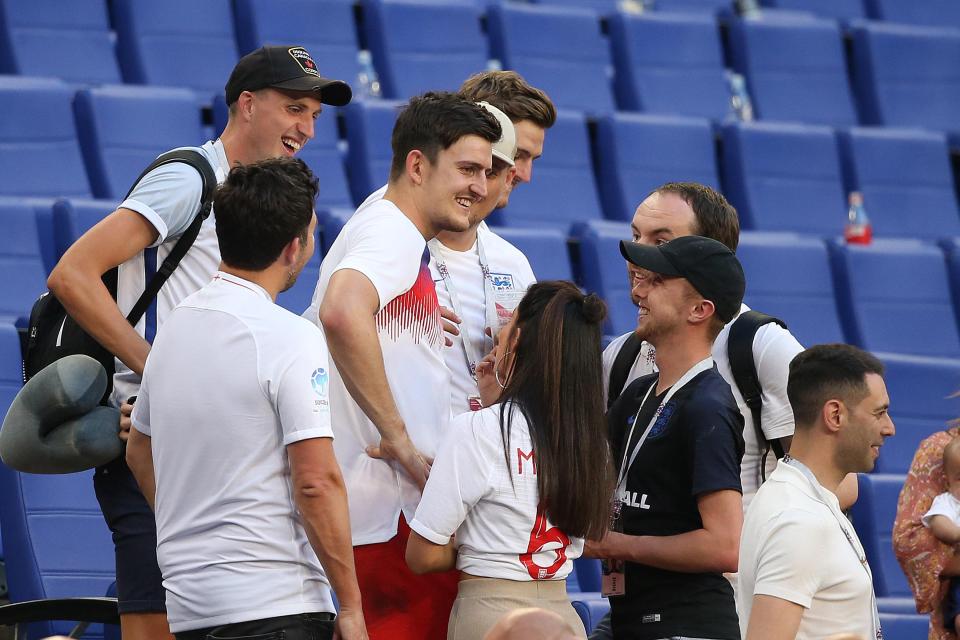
[944, 530]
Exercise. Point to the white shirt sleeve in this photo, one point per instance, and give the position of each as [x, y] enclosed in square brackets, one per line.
[168, 197]
[942, 505]
[300, 389]
[773, 349]
[784, 569]
[387, 249]
[460, 476]
[141, 408]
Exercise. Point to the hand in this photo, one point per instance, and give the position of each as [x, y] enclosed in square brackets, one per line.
[487, 380]
[449, 320]
[349, 625]
[401, 449]
[125, 422]
[603, 548]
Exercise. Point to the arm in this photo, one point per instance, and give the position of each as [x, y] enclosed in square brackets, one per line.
[347, 314]
[140, 461]
[713, 549]
[944, 530]
[424, 556]
[321, 498]
[76, 283]
[848, 491]
[773, 619]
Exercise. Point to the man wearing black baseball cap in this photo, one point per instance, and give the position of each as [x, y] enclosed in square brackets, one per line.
[274, 94]
[677, 443]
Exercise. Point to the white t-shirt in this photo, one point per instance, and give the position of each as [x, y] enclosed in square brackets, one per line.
[773, 349]
[792, 548]
[169, 198]
[385, 246]
[943, 505]
[499, 531]
[230, 382]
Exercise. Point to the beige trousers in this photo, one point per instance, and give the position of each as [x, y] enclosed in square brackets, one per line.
[481, 602]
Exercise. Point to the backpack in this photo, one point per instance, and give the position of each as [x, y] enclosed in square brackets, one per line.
[52, 334]
[740, 354]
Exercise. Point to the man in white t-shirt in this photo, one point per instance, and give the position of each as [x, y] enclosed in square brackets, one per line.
[389, 386]
[274, 94]
[232, 442]
[803, 571]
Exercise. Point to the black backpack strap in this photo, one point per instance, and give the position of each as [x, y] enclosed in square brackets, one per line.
[627, 355]
[199, 162]
[744, 368]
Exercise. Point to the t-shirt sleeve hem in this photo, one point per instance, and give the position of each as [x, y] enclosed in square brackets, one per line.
[140, 426]
[784, 594]
[383, 298]
[152, 217]
[307, 434]
[428, 533]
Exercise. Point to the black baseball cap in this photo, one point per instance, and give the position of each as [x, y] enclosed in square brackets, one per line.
[286, 67]
[709, 266]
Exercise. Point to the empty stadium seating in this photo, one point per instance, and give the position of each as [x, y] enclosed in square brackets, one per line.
[546, 249]
[21, 260]
[706, 7]
[72, 217]
[331, 222]
[325, 158]
[369, 125]
[591, 610]
[603, 270]
[837, 9]
[904, 626]
[932, 13]
[669, 64]
[795, 70]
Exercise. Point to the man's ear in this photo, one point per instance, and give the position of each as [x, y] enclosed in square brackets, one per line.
[245, 105]
[833, 414]
[702, 311]
[415, 165]
[291, 252]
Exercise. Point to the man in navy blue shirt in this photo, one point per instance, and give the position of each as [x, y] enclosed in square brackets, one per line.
[677, 438]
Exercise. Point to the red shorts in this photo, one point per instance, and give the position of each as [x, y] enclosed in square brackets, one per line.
[397, 603]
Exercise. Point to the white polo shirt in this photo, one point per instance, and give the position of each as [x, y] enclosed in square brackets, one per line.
[493, 508]
[792, 548]
[169, 198]
[385, 246]
[232, 379]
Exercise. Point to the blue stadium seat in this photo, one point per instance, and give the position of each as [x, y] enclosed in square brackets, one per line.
[905, 626]
[331, 221]
[72, 217]
[952, 248]
[906, 181]
[11, 371]
[369, 126]
[297, 298]
[931, 13]
[637, 153]
[588, 574]
[604, 271]
[67, 40]
[421, 46]
[602, 7]
[920, 391]
[123, 129]
[22, 274]
[795, 69]
[560, 50]
[669, 63]
[325, 159]
[563, 189]
[788, 276]
[590, 610]
[39, 152]
[873, 515]
[180, 43]
[325, 28]
[907, 76]
[843, 10]
[895, 297]
[546, 249]
[784, 177]
[707, 7]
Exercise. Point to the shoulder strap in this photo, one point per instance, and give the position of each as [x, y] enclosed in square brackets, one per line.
[627, 355]
[740, 354]
[199, 162]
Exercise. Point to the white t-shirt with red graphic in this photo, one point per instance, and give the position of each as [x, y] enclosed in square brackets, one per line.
[385, 246]
[491, 502]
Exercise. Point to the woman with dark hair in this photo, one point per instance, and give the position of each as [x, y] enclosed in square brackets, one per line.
[523, 481]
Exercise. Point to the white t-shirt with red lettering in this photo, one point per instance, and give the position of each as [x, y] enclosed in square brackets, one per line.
[490, 500]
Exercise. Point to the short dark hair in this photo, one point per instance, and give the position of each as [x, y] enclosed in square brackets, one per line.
[435, 121]
[261, 208]
[509, 92]
[828, 371]
[716, 218]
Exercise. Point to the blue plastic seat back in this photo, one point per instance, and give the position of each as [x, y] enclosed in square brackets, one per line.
[39, 152]
[546, 249]
[590, 609]
[421, 45]
[895, 297]
[795, 70]
[123, 129]
[904, 625]
[72, 217]
[369, 128]
[332, 221]
[784, 177]
[907, 76]
[603, 7]
[636, 153]
[325, 158]
[842, 10]
[23, 276]
[67, 40]
[325, 28]
[930, 13]
[563, 189]
[704, 7]
[604, 271]
[920, 390]
[906, 181]
[559, 50]
[179, 43]
[788, 276]
[873, 516]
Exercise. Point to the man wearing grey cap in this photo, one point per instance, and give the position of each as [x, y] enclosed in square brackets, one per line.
[677, 443]
[274, 94]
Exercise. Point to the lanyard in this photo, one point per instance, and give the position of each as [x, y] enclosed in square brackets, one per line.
[694, 371]
[489, 303]
[857, 550]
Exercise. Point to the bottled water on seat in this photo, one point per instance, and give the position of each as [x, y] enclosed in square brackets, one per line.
[368, 83]
[858, 229]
